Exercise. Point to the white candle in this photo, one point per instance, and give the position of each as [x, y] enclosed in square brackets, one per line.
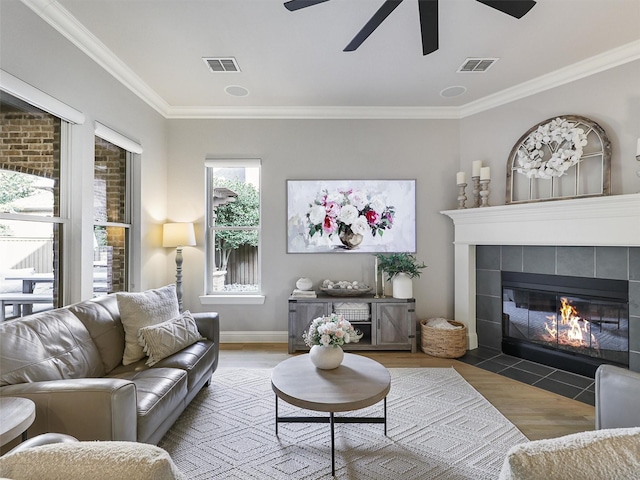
[376, 275]
[485, 173]
[477, 165]
[461, 177]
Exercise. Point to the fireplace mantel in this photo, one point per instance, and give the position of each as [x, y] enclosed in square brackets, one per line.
[596, 221]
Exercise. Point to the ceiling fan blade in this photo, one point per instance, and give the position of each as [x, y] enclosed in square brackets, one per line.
[383, 12]
[293, 5]
[429, 25]
[515, 8]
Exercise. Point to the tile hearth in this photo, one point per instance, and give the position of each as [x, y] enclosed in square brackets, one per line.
[547, 378]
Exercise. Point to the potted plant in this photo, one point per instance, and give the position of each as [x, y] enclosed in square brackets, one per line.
[400, 269]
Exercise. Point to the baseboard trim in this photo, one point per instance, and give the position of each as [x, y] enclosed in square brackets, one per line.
[254, 337]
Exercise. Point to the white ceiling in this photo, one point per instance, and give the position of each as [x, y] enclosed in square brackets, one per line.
[293, 64]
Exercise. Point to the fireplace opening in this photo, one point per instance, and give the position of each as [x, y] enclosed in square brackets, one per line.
[571, 323]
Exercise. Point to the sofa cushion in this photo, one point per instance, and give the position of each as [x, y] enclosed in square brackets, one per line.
[82, 460]
[598, 454]
[102, 319]
[166, 338]
[52, 345]
[198, 360]
[139, 310]
[159, 393]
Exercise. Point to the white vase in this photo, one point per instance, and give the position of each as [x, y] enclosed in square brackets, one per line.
[326, 358]
[402, 286]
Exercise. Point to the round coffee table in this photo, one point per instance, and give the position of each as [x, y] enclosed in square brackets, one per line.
[16, 416]
[357, 383]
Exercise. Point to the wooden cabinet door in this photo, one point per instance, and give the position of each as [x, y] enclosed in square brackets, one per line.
[301, 314]
[393, 324]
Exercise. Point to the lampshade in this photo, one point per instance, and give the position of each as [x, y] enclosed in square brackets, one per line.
[178, 235]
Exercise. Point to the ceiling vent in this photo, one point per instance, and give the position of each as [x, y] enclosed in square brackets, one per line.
[476, 65]
[222, 64]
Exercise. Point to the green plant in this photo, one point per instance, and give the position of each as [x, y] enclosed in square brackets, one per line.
[243, 212]
[395, 263]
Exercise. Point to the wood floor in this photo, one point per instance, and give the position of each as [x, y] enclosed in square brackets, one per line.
[537, 413]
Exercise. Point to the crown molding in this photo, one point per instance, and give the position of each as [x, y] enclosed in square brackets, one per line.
[333, 113]
[585, 68]
[65, 23]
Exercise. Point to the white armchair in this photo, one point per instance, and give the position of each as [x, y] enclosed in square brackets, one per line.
[612, 451]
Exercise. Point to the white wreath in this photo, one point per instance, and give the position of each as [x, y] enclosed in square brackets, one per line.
[560, 138]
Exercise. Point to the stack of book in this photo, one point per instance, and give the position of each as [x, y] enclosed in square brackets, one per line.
[304, 293]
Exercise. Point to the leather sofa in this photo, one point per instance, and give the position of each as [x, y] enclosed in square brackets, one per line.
[69, 362]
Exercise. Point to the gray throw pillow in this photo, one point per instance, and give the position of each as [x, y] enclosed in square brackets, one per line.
[166, 338]
[142, 309]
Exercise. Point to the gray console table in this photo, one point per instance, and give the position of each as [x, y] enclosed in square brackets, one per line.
[390, 323]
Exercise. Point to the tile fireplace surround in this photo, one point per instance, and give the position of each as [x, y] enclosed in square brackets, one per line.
[612, 221]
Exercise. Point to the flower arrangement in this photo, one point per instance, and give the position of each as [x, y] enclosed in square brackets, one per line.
[333, 330]
[559, 137]
[349, 212]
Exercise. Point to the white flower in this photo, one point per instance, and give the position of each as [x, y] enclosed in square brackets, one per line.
[377, 204]
[360, 225]
[561, 139]
[358, 199]
[348, 214]
[317, 214]
[335, 197]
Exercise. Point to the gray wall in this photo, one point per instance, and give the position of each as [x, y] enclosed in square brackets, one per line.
[610, 98]
[318, 149]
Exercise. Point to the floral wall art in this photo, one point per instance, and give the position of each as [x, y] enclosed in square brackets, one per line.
[352, 216]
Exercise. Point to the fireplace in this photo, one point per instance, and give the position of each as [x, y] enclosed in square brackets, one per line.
[603, 232]
[571, 323]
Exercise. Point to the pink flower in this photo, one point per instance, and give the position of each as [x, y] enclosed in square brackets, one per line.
[332, 209]
[372, 217]
[329, 226]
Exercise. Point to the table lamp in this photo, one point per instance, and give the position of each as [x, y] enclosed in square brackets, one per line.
[178, 235]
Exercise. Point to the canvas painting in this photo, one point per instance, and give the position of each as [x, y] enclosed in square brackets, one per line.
[351, 216]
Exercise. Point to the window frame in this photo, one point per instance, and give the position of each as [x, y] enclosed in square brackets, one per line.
[210, 297]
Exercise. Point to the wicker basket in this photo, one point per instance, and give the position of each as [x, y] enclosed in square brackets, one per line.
[444, 343]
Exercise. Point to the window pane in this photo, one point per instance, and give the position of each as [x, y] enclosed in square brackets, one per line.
[27, 266]
[29, 159]
[30, 251]
[235, 233]
[110, 260]
[110, 182]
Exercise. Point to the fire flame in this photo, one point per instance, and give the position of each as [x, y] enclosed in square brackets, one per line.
[578, 330]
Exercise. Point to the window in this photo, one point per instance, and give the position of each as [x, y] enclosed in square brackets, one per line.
[31, 223]
[233, 227]
[111, 216]
[113, 210]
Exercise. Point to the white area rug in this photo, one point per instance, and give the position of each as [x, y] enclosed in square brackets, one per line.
[439, 427]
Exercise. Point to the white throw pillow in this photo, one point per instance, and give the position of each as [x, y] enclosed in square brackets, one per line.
[85, 460]
[166, 338]
[594, 455]
[139, 310]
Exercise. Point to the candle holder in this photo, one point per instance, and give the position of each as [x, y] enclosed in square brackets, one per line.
[476, 191]
[484, 192]
[462, 198]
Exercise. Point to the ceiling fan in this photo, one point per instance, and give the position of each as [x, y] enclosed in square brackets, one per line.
[428, 11]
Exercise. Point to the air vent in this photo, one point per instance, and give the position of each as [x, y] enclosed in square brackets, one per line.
[222, 64]
[476, 65]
